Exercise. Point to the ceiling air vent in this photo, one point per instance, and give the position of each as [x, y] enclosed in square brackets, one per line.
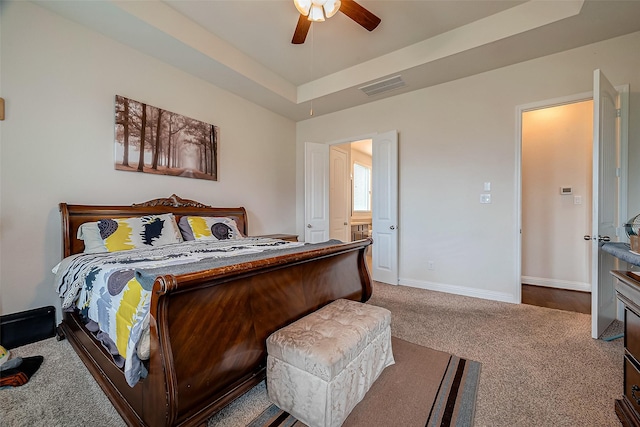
[383, 86]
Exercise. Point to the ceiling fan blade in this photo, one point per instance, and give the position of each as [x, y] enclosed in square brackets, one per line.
[300, 34]
[359, 14]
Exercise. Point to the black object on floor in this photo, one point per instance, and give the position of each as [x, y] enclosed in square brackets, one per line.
[21, 374]
[26, 327]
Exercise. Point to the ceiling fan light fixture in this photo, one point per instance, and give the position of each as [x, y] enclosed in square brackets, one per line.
[316, 14]
[303, 6]
[331, 7]
[319, 10]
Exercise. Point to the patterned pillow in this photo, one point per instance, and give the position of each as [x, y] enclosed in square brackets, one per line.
[90, 234]
[120, 234]
[209, 228]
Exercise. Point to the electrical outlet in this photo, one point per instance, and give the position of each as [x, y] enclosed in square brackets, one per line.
[429, 265]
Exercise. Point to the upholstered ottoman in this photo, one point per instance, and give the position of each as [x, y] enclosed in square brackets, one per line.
[321, 366]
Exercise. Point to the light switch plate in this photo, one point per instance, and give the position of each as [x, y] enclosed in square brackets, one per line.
[566, 190]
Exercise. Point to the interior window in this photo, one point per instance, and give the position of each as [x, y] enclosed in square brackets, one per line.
[361, 188]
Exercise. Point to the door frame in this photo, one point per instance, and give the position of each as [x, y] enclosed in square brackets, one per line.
[373, 136]
[623, 183]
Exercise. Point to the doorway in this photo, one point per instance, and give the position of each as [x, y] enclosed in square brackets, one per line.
[609, 191]
[383, 200]
[350, 191]
[556, 180]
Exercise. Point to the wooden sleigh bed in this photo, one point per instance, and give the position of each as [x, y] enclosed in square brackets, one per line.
[208, 329]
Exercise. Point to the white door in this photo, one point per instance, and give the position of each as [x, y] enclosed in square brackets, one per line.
[605, 201]
[384, 200]
[339, 194]
[316, 188]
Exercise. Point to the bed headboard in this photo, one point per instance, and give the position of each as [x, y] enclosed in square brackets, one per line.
[75, 215]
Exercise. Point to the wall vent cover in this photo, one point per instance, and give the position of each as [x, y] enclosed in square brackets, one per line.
[383, 86]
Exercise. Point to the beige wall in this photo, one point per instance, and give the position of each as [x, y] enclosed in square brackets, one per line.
[454, 137]
[557, 152]
[59, 81]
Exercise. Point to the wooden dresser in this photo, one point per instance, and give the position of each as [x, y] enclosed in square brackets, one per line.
[628, 291]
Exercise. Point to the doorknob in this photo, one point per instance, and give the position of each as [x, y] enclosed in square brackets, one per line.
[308, 225]
[599, 238]
[393, 227]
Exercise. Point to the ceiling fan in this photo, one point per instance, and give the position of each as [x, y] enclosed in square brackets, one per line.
[316, 10]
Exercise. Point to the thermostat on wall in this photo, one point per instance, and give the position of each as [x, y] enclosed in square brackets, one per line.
[566, 190]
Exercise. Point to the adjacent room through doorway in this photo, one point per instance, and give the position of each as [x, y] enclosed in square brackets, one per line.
[350, 191]
[556, 177]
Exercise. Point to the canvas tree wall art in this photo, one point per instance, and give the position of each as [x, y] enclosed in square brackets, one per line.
[151, 140]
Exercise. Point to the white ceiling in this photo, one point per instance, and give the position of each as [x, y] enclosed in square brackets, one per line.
[244, 46]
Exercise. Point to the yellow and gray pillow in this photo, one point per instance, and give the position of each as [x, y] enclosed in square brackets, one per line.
[119, 234]
[209, 228]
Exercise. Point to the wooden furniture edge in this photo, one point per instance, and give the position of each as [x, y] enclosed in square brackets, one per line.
[626, 414]
[281, 236]
[628, 291]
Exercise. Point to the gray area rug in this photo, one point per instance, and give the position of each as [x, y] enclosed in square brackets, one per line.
[540, 367]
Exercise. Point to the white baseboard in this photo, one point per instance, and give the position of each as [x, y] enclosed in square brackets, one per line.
[559, 284]
[459, 290]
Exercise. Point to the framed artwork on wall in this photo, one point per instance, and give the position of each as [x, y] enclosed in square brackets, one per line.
[152, 140]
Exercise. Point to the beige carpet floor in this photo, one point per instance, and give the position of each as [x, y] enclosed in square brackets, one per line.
[540, 366]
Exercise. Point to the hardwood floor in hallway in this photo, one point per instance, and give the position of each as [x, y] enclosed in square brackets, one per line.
[560, 299]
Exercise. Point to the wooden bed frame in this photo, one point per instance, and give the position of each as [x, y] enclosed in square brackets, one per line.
[208, 329]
